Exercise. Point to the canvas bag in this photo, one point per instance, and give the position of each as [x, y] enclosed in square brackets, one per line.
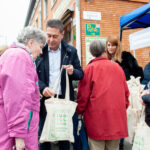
[135, 109]
[142, 135]
[133, 116]
[58, 124]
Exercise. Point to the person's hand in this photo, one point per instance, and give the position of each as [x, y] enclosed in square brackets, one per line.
[143, 93]
[20, 145]
[142, 102]
[47, 92]
[69, 69]
[79, 116]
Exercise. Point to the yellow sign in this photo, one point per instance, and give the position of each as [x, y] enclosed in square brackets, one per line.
[93, 29]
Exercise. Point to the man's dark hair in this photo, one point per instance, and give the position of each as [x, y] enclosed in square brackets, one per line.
[55, 23]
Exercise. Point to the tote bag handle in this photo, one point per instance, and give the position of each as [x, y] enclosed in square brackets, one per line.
[57, 84]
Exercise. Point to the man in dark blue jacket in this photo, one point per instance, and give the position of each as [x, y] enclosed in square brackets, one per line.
[56, 53]
[146, 75]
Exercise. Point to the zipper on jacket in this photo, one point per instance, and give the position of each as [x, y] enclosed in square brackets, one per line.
[30, 118]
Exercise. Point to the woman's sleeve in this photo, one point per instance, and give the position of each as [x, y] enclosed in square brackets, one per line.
[127, 93]
[84, 92]
[131, 66]
[18, 87]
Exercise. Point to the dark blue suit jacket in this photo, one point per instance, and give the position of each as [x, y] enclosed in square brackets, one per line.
[146, 75]
[68, 56]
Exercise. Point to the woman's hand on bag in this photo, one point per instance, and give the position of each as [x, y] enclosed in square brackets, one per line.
[142, 102]
[143, 93]
[47, 92]
[20, 145]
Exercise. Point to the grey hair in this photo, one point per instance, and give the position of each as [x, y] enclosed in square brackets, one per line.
[55, 23]
[33, 33]
[97, 48]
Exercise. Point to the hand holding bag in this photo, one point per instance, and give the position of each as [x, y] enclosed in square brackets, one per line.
[58, 125]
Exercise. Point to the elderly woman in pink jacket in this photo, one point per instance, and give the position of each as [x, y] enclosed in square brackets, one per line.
[19, 93]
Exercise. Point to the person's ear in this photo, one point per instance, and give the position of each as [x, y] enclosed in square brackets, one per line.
[30, 43]
[62, 34]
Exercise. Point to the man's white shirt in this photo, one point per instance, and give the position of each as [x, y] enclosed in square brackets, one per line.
[54, 68]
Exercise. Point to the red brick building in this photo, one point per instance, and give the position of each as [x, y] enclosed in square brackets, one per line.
[85, 20]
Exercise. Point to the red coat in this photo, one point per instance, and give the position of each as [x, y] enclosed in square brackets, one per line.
[103, 98]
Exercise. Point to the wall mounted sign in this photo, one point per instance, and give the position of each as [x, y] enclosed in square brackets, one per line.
[88, 40]
[91, 15]
[92, 29]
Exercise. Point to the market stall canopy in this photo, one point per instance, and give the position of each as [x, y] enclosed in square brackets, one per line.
[140, 39]
[138, 18]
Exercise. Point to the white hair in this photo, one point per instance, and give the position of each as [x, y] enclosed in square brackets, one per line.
[29, 33]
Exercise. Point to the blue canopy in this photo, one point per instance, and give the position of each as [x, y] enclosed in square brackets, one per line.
[138, 18]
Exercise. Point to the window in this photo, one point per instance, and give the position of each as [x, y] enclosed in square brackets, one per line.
[40, 19]
[68, 33]
[36, 22]
[52, 3]
[45, 8]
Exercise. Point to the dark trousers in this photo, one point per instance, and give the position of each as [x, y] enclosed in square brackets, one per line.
[121, 145]
[63, 145]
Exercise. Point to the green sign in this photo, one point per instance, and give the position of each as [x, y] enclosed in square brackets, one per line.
[74, 33]
[93, 29]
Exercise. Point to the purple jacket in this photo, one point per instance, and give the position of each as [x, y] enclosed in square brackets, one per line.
[19, 99]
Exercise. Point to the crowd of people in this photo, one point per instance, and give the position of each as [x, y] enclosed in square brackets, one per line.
[29, 69]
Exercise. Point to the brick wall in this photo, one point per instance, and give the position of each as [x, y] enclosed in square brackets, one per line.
[111, 10]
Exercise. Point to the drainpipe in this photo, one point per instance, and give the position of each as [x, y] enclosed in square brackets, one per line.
[78, 37]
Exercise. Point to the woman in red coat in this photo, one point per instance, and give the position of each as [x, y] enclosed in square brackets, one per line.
[102, 99]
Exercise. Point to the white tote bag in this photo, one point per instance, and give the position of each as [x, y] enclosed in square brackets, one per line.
[135, 109]
[142, 137]
[142, 134]
[133, 116]
[58, 125]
